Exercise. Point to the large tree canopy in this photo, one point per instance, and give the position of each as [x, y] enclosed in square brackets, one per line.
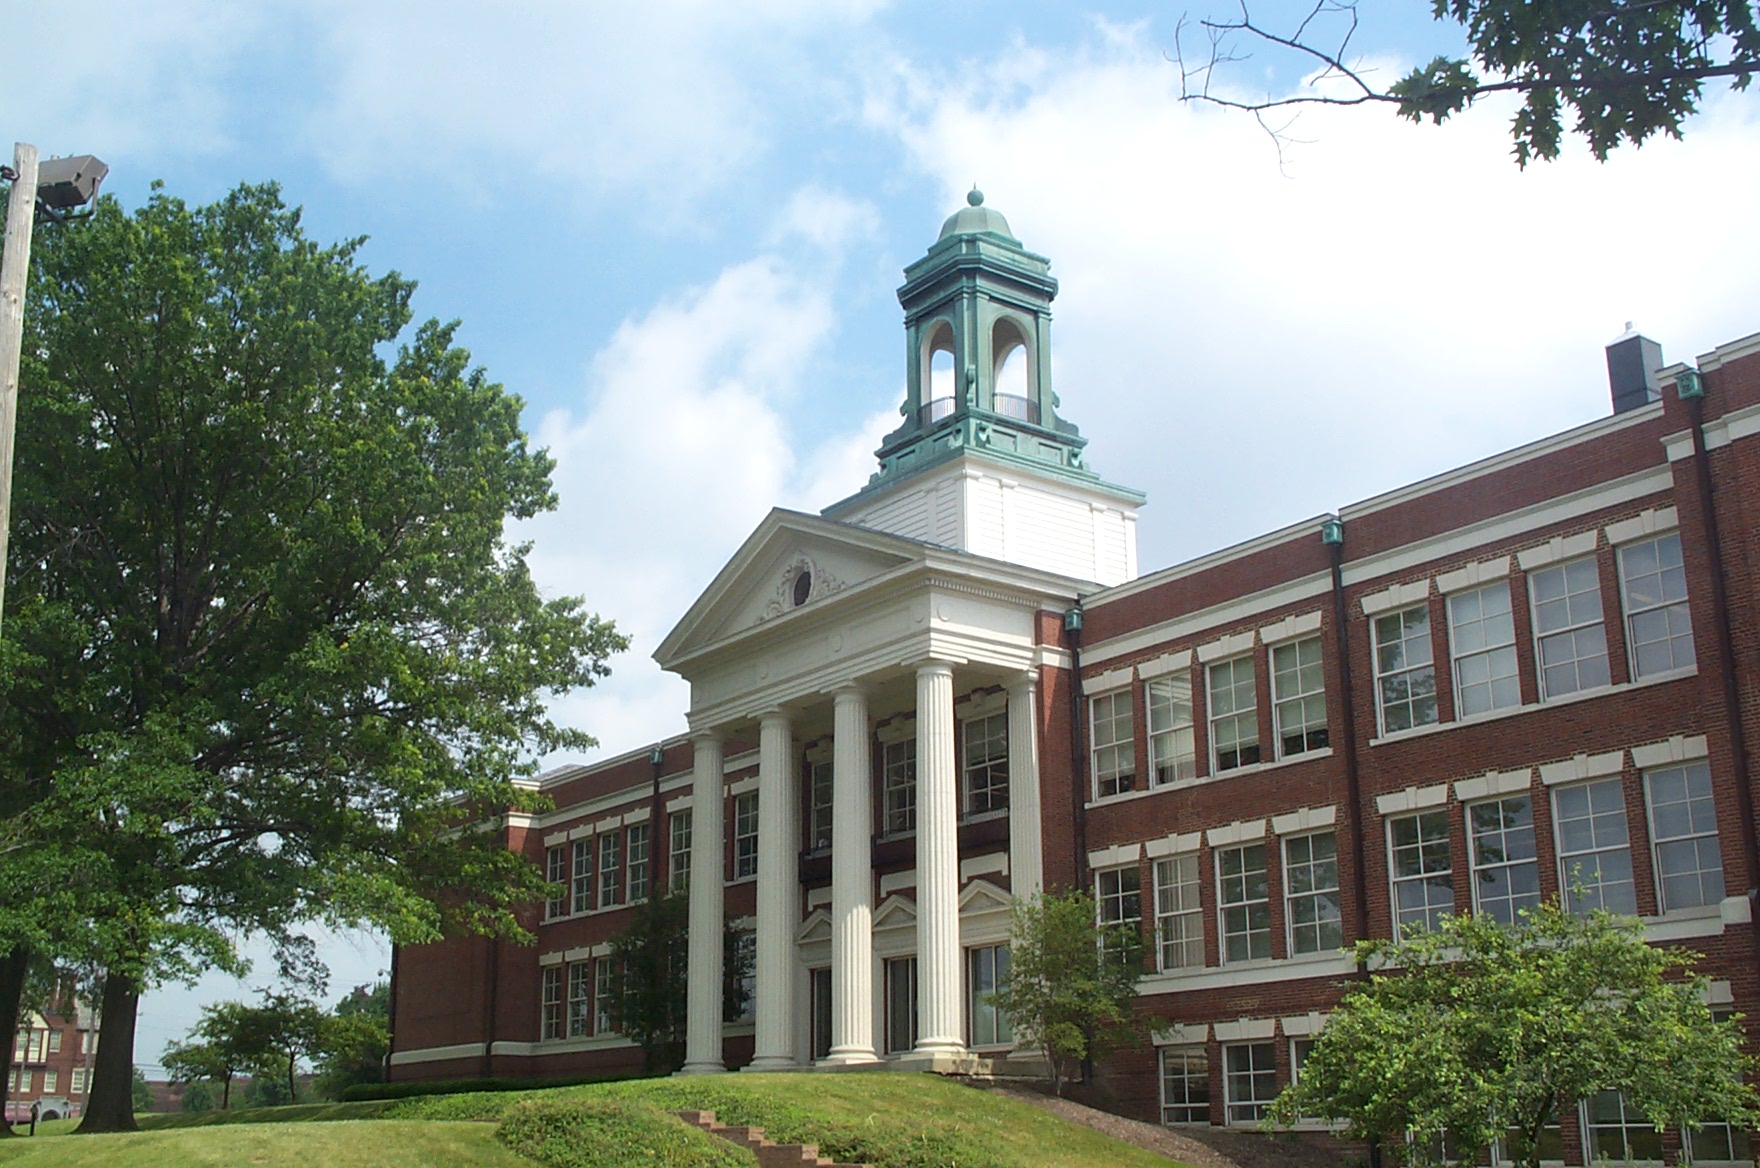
[1622, 70]
[266, 646]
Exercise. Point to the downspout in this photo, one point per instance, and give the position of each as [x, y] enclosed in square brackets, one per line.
[1690, 390]
[1072, 628]
[391, 1019]
[658, 855]
[1332, 535]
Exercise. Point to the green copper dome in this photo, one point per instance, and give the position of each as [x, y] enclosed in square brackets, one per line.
[976, 219]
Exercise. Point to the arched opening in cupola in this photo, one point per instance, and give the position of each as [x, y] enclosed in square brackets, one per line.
[1012, 382]
[939, 382]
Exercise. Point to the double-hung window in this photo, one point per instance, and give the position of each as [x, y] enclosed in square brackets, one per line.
[610, 869]
[1244, 902]
[580, 992]
[987, 972]
[1683, 834]
[1185, 1085]
[556, 872]
[1423, 874]
[1570, 637]
[1118, 893]
[1173, 747]
[1506, 868]
[1482, 640]
[1115, 743]
[550, 1003]
[638, 862]
[1618, 1132]
[1405, 669]
[678, 866]
[1179, 919]
[985, 785]
[1310, 882]
[1250, 1080]
[1653, 585]
[1298, 697]
[604, 987]
[820, 786]
[1234, 715]
[745, 835]
[1594, 848]
[898, 787]
[581, 893]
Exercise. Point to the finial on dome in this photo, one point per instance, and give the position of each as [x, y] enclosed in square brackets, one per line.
[975, 196]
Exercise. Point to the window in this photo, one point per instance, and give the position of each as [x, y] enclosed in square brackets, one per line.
[1299, 1050]
[582, 892]
[638, 862]
[556, 872]
[1506, 868]
[1185, 1085]
[1244, 902]
[745, 957]
[78, 1086]
[550, 1019]
[610, 869]
[51, 1080]
[1594, 848]
[1234, 715]
[54, 1042]
[1653, 584]
[580, 991]
[898, 787]
[1620, 1133]
[1718, 1143]
[986, 772]
[1119, 894]
[1405, 670]
[1310, 881]
[1298, 697]
[1423, 877]
[1567, 622]
[745, 835]
[1250, 1080]
[1173, 745]
[1683, 831]
[1179, 921]
[678, 856]
[820, 787]
[604, 985]
[987, 972]
[901, 1004]
[1482, 638]
[820, 981]
[1115, 744]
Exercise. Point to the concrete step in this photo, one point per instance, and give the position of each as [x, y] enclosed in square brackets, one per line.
[770, 1154]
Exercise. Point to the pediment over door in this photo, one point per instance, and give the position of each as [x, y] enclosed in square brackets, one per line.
[791, 564]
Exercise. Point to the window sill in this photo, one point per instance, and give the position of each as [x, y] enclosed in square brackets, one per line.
[1255, 768]
[1530, 707]
[983, 816]
[752, 879]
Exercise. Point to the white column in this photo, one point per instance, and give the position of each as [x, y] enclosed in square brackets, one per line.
[940, 1019]
[852, 883]
[702, 1042]
[1026, 860]
[778, 896]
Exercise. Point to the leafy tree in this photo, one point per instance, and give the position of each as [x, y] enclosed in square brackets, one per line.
[353, 1040]
[1481, 1031]
[140, 1095]
[265, 642]
[198, 1096]
[648, 1002]
[1071, 981]
[1623, 70]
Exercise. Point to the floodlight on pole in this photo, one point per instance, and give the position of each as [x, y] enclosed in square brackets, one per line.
[60, 185]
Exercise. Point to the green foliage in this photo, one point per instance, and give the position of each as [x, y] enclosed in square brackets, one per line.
[141, 1093]
[353, 1041]
[422, 1087]
[647, 1003]
[198, 1097]
[612, 1133]
[1071, 982]
[1625, 71]
[1487, 1032]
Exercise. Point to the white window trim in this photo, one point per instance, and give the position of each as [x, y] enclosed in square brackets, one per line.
[1559, 857]
[1094, 748]
[1211, 718]
[1222, 907]
[1538, 636]
[1393, 879]
[1455, 656]
[1375, 661]
[1627, 614]
[1289, 917]
[1278, 751]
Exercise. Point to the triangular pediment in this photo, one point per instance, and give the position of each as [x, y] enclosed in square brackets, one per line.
[981, 896]
[817, 927]
[789, 566]
[895, 912]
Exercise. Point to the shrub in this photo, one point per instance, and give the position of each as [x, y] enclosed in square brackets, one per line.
[612, 1133]
[409, 1090]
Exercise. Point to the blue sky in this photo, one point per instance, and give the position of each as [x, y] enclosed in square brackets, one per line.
[675, 229]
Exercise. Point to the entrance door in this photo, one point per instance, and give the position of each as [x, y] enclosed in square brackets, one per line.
[901, 1004]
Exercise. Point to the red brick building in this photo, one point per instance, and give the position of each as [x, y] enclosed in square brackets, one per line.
[1534, 673]
[51, 1063]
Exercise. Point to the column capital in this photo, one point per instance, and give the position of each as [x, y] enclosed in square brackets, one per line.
[854, 687]
[1026, 681]
[933, 667]
[709, 734]
[775, 714]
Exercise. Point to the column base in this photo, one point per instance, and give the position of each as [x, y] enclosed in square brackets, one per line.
[770, 1063]
[849, 1058]
[951, 1060]
[714, 1068]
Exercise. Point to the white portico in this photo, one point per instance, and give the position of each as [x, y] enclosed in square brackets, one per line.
[886, 661]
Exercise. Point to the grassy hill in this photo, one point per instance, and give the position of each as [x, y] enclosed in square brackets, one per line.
[887, 1119]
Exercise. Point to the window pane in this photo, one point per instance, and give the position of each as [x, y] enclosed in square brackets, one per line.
[1298, 697]
[1683, 830]
[1567, 617]
[899, 787]
[1594, 855]
[1482, 635]
[1179, 921]
[1185, 1085]
[1172, 742]
[1244, 902]
[1115, 748]
[1423, 885]
[1310, 876]
[1654, 589]
[1405, 674]
[1234, 715]
[1506, 867]
[985, 786]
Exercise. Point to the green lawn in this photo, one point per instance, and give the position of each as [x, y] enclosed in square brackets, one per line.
[891, 1120]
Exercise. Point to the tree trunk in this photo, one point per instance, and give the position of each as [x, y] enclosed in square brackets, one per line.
[226, 1093]
[110, 1106]
[291, 1097]
[12, 972]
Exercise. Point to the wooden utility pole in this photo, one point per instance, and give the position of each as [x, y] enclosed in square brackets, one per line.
[15, 262]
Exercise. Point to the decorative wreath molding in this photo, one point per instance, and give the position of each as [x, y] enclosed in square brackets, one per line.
[782, 600]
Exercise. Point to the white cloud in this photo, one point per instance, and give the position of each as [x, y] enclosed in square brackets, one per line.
[679, 451]
[1252, 349]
